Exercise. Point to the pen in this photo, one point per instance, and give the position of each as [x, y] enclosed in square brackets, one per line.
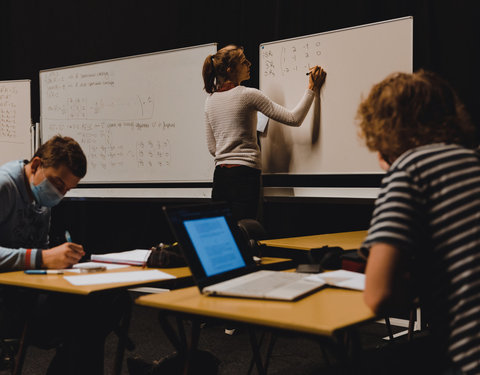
[68, 238]
[44, 272]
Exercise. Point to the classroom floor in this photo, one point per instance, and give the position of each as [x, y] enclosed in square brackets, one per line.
[292, 354]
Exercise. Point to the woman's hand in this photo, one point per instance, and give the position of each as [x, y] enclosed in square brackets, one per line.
[316, 78]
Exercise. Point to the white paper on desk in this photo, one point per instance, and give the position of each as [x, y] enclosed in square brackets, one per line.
[137, 257]
[341, 279]
[118, 277]
[108, 266]
[262, 122]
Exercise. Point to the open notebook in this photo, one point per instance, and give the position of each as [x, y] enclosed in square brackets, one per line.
[219, 259]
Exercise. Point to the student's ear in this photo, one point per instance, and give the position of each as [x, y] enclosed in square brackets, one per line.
[383, 164]
[35, 163]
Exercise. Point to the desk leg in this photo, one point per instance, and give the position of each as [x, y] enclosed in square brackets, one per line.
[256, 351]
[123, 339]
[179, 340]
[178, 343]
[22, 349]
[347, 349]
[192, 345]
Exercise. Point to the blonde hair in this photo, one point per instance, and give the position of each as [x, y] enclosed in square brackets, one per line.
[408, 110]
[215, 66]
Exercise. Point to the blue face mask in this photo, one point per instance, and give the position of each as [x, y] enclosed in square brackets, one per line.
[46, 194]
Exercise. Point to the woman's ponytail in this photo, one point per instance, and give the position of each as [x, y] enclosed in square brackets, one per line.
[208, 73]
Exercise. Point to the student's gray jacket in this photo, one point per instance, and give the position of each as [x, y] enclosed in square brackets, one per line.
[24, 225]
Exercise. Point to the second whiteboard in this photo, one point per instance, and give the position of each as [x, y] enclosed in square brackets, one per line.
[354, 59]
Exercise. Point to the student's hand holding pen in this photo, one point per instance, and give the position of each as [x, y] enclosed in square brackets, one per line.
[316, 78]
[63, 256]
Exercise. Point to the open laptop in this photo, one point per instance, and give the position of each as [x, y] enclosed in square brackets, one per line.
[219, 258]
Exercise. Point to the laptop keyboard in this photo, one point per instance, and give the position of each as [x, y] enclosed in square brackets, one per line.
[268, 282]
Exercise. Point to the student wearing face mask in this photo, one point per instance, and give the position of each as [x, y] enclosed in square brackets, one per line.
[28, 191]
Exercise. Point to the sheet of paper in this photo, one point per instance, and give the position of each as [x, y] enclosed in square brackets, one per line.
[137, 257]
[341, 279]
[118, 277]
[262, 122]
[108, 266]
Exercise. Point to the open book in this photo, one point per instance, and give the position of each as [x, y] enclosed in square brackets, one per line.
[341, 279]
[137, 257]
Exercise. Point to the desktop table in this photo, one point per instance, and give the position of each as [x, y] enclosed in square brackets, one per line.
[56, 283]
[329, 313]
[298, 247]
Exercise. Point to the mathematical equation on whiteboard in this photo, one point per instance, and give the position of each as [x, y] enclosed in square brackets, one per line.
[114, 145]
[69, 97]
[115, 127]
[8, 113]
[296, 57]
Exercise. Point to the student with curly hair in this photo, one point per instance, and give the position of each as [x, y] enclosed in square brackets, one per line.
[424, 237]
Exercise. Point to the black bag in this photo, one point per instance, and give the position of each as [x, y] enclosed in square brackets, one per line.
[166, 256]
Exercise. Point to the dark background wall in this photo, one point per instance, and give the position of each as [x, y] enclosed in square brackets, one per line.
[36, 35]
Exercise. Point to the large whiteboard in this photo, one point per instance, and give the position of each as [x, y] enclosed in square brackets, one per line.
[15, 121]
[138, 119]
[354, 59]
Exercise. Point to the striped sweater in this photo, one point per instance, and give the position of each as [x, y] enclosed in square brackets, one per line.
[429, 208]
[231, 123]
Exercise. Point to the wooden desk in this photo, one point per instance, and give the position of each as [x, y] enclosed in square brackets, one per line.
[297, 247]
[56, 283]
[329, 315]
[322, 313]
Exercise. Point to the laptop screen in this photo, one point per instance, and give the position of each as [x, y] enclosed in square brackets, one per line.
[215, 245]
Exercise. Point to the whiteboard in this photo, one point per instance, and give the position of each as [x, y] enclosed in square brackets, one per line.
[138, 119]
[15, 121]
[354, 59]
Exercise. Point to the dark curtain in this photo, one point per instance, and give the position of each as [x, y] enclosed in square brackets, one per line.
[43, 34]
[38, 35]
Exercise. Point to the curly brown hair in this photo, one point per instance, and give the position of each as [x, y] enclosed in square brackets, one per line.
[409, 110]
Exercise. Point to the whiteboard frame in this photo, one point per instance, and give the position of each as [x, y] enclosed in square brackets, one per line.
[337, 30]
[120, 59]
[319, 190]
[31, 130]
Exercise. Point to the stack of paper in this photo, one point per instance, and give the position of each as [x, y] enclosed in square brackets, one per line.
[118, 277]
[136, 257]
[341, 279]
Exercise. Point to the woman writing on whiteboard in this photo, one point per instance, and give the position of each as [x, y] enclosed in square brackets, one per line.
[231, 119]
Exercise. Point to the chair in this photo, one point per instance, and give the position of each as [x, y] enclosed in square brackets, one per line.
[253, 232]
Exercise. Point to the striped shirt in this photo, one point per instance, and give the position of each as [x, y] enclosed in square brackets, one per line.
[429, 208]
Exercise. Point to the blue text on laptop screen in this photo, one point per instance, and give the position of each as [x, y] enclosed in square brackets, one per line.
[214, 243]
